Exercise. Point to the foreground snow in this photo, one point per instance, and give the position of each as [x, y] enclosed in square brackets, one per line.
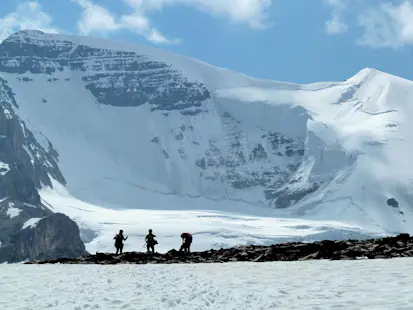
[367, 284]
[210, 228]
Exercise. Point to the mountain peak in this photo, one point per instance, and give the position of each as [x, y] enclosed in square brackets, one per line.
[371, 73]
[192, 68]
[24, 34]
[134, 125]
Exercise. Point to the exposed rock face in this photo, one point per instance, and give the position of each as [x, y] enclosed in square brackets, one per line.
[400, 246]
[392, 202]
[116, 78]
[26, 165]
[13, 217]
[229, 160]
[28, 229]
[209, 133]
[52, 237]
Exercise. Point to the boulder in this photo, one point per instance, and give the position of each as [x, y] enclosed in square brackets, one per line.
[399, 246]
[53, 237]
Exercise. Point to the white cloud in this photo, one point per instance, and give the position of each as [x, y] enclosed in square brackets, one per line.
[384, 23]
[388, 25]
[97, 19]
[156, 37]
[254, 13]
[141, 25]
[339, 4]
[28, 16]
[336, 25]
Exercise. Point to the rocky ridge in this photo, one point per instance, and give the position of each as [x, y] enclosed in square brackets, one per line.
[51, 237]
[383, 248]
[229, 161]
[28, 228]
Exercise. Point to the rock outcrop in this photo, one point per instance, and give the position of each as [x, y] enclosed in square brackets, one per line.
[230, 159]
[29, 229]
[391, 247]
[52, 237]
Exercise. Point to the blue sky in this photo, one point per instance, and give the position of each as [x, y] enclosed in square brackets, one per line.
[299, 41]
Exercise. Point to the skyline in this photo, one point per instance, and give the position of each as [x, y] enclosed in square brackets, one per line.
[293, 41]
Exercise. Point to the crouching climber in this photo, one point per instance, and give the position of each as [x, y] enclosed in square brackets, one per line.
[119, 238]
[150, 241]
[186, 242]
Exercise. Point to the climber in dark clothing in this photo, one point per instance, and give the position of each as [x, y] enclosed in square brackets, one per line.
[119, 238]
[150, 241]
[186, 242]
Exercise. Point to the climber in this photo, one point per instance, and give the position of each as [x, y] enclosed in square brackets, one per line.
[150, 241]
[186, 242]
[119, 238]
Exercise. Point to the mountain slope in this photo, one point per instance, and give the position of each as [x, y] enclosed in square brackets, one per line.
[139, 128]
[28, 228]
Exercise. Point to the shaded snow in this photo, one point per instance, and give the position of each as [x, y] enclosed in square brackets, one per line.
[357, 147]
[363, 284]
[30, 205]
[4, 168]
[211, 229]
[7, 113]
[193, 69]
[32, 223]
[347, 144]
[12, 211]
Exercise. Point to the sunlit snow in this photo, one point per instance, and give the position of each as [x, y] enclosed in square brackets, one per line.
[12, 211]
[352, 285]
[4, 168]
[32, 223]
[211, 229]
[356, 133]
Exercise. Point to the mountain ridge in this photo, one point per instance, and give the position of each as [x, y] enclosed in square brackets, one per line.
[154, 52]
[128, 123]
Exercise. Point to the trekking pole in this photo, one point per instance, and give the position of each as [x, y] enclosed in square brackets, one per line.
[142, 247]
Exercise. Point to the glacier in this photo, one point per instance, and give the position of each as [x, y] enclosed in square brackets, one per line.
[132, 137]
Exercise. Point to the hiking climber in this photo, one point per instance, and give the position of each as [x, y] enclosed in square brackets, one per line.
[119, 238]
[186, 242]
[150, 241]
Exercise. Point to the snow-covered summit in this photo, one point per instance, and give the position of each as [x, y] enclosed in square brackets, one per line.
[138, 127]
[193, 69]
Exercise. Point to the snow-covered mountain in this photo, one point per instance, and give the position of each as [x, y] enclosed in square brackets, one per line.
[120, 126]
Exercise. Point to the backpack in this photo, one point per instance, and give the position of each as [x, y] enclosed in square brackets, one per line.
[118, 239]
[186, 235]
[151, 239]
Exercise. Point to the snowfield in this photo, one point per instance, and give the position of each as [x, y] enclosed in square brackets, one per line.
[31, 223]
[210, 228]
[255, 161]
[12, 211]
[363, 284]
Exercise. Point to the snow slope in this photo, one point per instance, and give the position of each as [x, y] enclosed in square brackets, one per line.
[140, 128]
[210, 229]
[363, 284]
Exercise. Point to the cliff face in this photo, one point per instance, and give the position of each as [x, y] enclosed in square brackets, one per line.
[55, 236]
[384, 248]
[26, 166]
[200, 144]
[127, 126]
[117, 78]
[32, 232]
